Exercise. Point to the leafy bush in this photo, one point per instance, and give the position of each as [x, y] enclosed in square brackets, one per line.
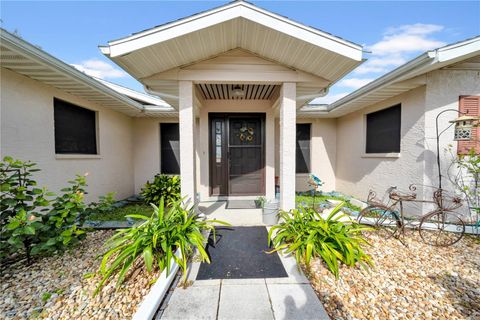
[105, 204]
[155, 241]
[34, 224]
[21, 205]
[306, 234]
[18, 189]
[163, 186]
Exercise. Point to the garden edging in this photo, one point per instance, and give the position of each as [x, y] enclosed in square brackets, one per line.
[150, 303]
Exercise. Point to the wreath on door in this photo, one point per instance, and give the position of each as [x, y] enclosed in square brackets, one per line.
[246, 134]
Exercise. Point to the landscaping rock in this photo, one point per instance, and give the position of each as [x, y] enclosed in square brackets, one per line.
[70, 296]
[414, 282]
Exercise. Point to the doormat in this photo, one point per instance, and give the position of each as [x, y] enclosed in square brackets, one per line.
[240, 253]
[242, 204]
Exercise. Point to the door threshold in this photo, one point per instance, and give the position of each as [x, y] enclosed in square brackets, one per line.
[226, 198]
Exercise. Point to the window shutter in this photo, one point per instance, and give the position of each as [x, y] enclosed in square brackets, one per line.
[470, 105]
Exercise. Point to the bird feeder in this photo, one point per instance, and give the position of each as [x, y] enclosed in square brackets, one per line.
[463, 127]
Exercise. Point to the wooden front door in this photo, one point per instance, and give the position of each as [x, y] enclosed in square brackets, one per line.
[237, 161]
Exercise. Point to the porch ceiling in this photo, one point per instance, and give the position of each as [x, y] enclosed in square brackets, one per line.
[235, 25]
[215, 91]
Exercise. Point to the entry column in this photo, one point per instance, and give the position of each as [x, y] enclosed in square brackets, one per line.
[187, 141]
[288, 114]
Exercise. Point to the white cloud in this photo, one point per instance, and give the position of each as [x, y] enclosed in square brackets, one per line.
[99, 69]
[417, 28]
[397, 46]
[329, 98]
[354, 83]
[400, 43]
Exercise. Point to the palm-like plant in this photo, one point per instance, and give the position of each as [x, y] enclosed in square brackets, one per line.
[306, 234]
[155, 241]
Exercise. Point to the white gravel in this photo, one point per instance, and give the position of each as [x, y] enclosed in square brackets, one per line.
[62, 277]
[418, 282]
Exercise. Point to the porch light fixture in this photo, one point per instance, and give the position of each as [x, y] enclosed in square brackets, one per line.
[238, 92]
[463, 127]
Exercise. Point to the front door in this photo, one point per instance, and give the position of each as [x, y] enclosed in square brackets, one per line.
[237, 154]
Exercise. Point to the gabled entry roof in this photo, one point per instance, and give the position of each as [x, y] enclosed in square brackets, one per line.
[235, 25]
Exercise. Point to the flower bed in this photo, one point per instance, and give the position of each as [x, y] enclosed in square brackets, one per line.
[418, 282]
[55, 287]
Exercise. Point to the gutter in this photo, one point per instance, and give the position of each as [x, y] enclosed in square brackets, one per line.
[51, 62]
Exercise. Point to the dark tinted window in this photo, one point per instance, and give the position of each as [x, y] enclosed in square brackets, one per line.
[170, 148]
[383, 130]
[75, 129]
[302, 163]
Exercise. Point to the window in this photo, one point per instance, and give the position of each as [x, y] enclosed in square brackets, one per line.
[302, 162]
[170, 148]
[383, 130]
[75, 129]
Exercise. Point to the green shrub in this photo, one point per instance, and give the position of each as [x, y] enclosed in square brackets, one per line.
[104, 205]
[163, 186]
[18, 190]
[155, 241]
[31, 223]
[21, 207]
[306, 234]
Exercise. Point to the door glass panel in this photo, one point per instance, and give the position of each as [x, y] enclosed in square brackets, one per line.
[218, 142]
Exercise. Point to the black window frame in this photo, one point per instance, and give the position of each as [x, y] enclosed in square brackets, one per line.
[304, 167]
[81, 129]
[168, 151]
[383, 130]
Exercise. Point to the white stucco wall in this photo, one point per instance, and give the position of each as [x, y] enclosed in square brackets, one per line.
[356, 172]
[444, 88]
[27, 133]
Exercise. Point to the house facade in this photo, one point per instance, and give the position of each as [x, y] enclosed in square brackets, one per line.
[233, 117]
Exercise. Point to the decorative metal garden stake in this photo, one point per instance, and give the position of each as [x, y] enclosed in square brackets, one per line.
[463, 131]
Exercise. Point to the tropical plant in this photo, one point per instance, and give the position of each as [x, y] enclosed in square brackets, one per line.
[154, 242]
[163, 186]
[307, 235]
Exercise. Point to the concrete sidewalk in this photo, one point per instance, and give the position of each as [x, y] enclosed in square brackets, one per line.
[291, 297]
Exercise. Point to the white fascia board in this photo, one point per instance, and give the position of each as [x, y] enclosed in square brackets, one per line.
[459, 50]
[136, 95]
[230, 12]
[24, 48]
[122, 48]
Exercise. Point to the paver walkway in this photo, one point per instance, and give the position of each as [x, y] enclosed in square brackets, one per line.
[290, 297]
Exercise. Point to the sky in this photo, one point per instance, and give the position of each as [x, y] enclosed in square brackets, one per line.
[393, 32]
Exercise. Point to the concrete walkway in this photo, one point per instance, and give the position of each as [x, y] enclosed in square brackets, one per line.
[291, 297]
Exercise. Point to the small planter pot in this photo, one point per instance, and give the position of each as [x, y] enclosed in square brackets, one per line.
[270, 212]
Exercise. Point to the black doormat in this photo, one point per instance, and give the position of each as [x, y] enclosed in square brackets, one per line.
[242, 204]
[239, 253]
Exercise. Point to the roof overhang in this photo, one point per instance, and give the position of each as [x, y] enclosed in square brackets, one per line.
[406, 77]
[235, 25]
[24, 58]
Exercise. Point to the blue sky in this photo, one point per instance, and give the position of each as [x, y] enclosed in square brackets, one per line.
[394, 32]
